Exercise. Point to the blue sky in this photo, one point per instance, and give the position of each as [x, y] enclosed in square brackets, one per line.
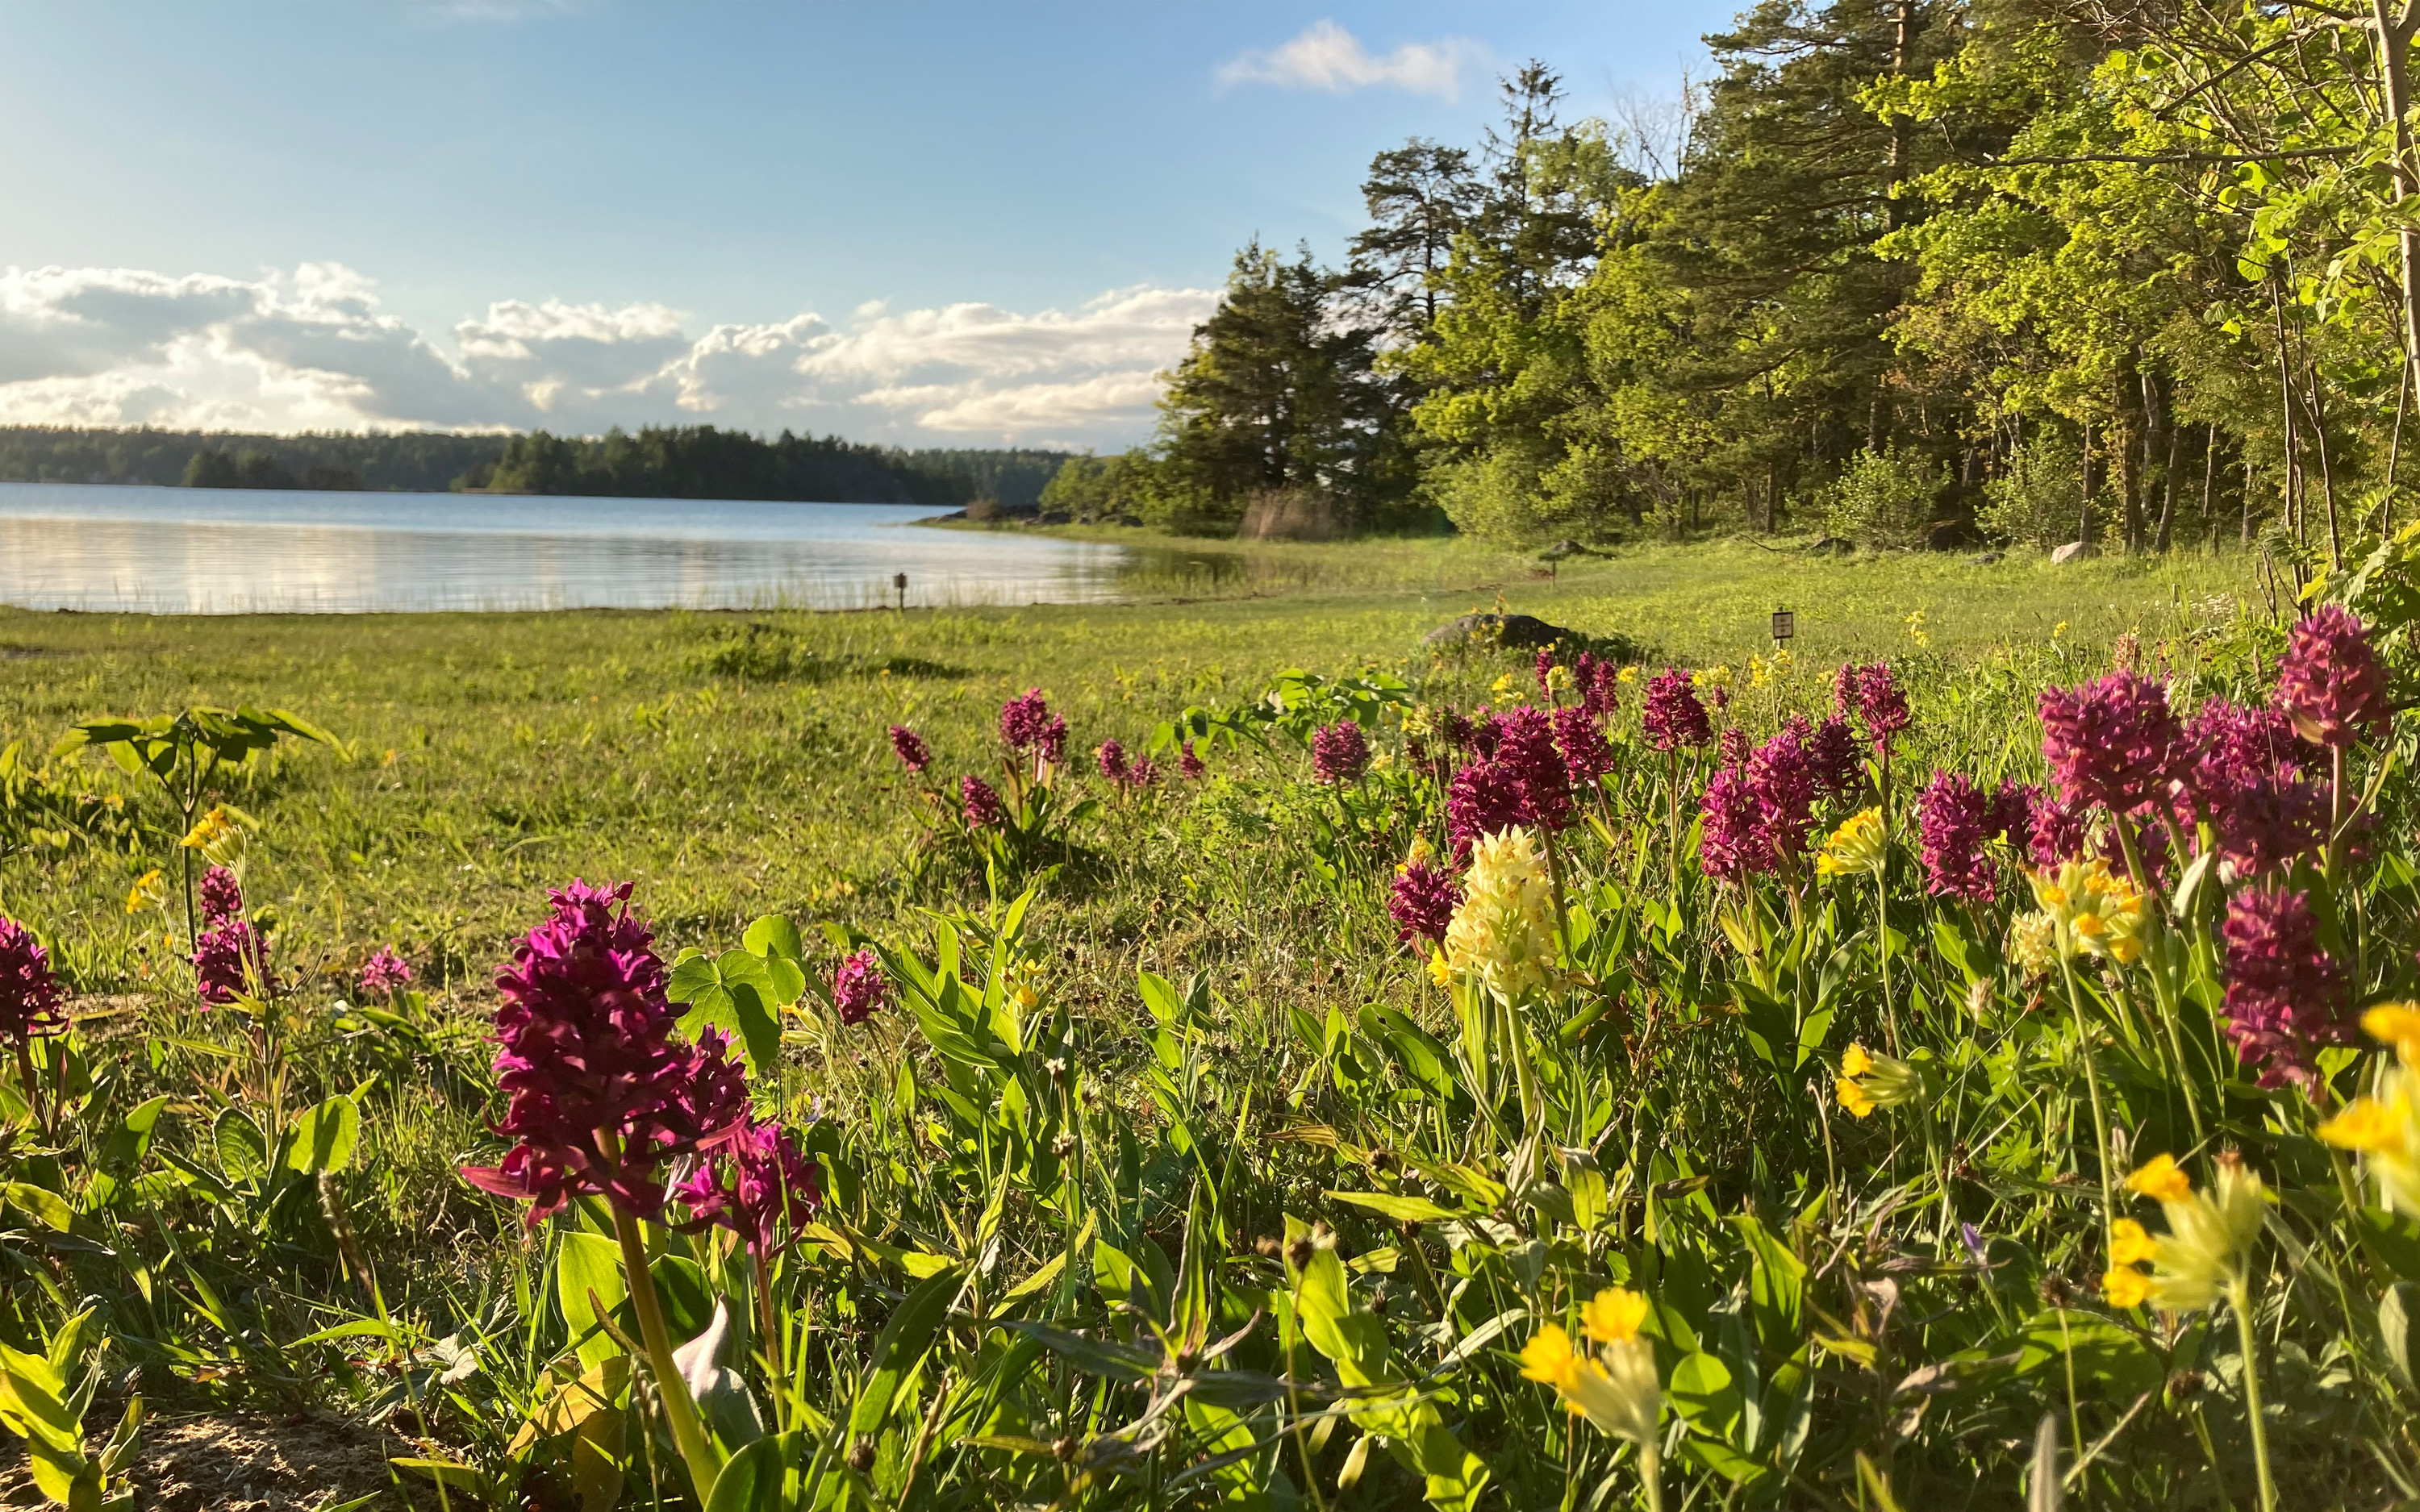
[938, 223]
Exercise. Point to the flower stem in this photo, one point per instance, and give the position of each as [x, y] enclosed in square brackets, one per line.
[2092, 1081]
[1650, 1474]
[2239, 1297]
[689, 1435]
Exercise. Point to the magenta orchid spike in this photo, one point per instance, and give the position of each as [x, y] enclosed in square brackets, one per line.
[2330, 683]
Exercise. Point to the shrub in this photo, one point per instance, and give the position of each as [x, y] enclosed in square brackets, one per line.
[1885, 498]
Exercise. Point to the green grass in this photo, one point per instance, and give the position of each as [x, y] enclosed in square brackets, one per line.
[736, 762]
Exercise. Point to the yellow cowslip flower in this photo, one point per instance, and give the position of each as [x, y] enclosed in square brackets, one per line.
[1617, 1390]
[1418, 720]
[1503, 688]
[1854, 849]
[1782, 662]
[1549, 1357]
[1558, 676]
[2130, 1242]
[150, 891]
[1440, 970]
[1627, 674]
[2399, 1025]
[1503, 929]
[1613, 1314]
[2092, 909]
[1419, 853]
[218, 836]
[2211, 1234]
[2385, 1128]
[1756, 672]
[2124, 1286]
[2162, 1179]
[1916, 629]
[1868, 1081]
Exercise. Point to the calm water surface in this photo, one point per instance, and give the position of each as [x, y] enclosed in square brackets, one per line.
[244, 550]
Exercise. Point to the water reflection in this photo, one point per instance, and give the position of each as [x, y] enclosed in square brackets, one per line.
[194, 551]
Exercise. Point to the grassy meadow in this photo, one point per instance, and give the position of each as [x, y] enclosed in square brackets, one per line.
[735, 766]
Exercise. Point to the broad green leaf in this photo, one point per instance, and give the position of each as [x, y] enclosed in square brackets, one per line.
[586, 1267]
[762, 1477]
[323, 1139]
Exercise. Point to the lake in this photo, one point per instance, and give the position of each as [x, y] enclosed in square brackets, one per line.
[244, 551]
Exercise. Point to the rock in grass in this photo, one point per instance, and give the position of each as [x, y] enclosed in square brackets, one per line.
[2072, 550]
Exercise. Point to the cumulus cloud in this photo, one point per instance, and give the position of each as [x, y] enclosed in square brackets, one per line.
[1327, 56]
[313, 349]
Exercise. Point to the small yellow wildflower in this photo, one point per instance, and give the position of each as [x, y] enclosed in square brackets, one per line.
[2125, 1286]
[2385, 1128]
[150, 891]
[2203, 1254]
[1549, 1357]
[1627, 674]
[1617, 1390]
[1558, 677]
[1440, 970]
[2092, 909]
[1503, 688]
[2162, 1179]
[1420, 852]
[1855, 848]
[2130, 1242]
[1916, 629]
[1418, 720]
[2399, 1025]
[1613, 1314]
[1868, 1081]
[218, 836]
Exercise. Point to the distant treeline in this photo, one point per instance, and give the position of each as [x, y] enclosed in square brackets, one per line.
[670, 462]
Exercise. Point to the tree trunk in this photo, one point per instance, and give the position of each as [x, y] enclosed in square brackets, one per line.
[2084, 519]
[2166, 423]
[2394, 36]
[2126, 444]
[2208, 478]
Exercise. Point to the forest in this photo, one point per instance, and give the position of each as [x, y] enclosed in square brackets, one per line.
[670, 462]
[1910, 272]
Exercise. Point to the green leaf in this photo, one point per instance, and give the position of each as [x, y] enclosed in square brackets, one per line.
[762, 1477]
[44, 1207]
[243, 1151]
[773, 936]
[586, 1267]
[323, 1139]
[1401, 1208]
[730, 993]
[901, 1349]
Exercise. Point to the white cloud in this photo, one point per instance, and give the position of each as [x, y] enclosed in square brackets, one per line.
[314, 349]
[1327, 56]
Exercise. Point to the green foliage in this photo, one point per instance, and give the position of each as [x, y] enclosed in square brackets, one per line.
[1885, 498]
[2039, 500]
[703, 462]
